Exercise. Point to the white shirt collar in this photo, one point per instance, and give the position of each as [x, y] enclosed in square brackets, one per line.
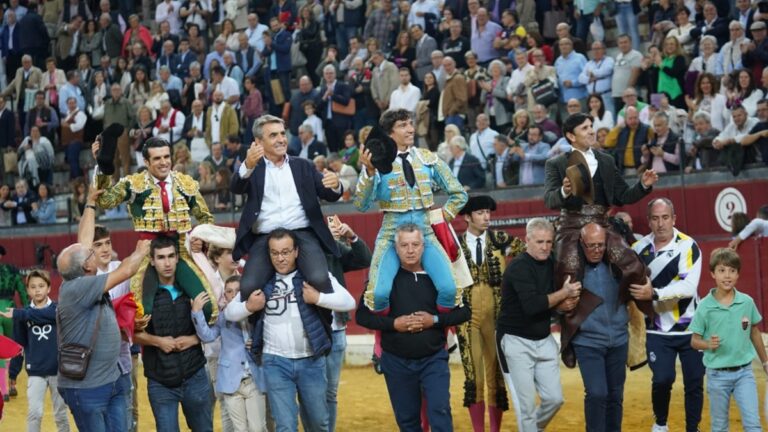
[472, 239]
[48, 302]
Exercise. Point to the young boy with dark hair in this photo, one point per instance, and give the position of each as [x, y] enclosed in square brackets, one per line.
[725, 328]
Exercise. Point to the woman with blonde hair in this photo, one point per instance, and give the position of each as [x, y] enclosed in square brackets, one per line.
[521, 121]
[182, 159]
[672, 67]
[141, 131]
[444, 150]
[206, 178]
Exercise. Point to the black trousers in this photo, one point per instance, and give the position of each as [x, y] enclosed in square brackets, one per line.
[311, 262]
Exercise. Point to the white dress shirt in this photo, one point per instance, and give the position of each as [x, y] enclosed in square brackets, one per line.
[216, 113]
[168, 187]
[162, 14]
[174, 134]
[281, 206]
[481, 145]
[472, 244]
[457, 165]
[406, 98]
[256, 36]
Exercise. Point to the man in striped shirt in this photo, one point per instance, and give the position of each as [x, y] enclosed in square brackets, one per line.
[674, 260]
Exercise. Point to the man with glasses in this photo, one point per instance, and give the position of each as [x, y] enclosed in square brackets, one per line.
[629, 97]
[674, 260]
[602, 342]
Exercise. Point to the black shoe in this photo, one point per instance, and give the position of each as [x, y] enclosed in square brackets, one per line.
[377, 364]
[12, 392]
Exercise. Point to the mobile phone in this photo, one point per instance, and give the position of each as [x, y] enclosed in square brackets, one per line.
[330, 220]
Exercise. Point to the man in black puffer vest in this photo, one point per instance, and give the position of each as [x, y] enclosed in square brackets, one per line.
[174, 363]
[292, 336]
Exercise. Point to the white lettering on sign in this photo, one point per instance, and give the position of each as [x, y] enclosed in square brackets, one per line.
[728, 202]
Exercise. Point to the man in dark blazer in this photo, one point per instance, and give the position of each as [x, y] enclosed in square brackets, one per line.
[111, 36]
[712, 25]
[465, 167]
[279, 45]
[282, 198]
[307, 141]
[33, 36]
[20, 204]
[7, 128]
[583, 184]
[9, 43]
[186, 58]
[334, 122]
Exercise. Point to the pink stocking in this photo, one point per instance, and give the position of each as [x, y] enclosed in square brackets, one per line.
[4, 377]
[477, 415]
[495, 414]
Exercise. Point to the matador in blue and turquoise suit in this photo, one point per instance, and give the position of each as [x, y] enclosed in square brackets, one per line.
[408, 198]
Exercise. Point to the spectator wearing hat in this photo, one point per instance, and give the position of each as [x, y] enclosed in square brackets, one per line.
[486, 251]
[755, 53]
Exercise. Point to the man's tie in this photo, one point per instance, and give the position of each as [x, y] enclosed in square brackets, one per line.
[479, 252]
[410, 177]
[164, 197]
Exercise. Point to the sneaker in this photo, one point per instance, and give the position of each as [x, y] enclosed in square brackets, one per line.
[659, 428]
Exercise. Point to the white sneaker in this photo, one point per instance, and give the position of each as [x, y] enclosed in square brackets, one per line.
[657, 428]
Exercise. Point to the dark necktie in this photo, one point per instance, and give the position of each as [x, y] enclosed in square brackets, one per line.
[410, 177]
[479, 252]
[164, 197]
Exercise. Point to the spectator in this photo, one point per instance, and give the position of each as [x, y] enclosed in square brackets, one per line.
[75, 8]
[662, 154]
[541, 119]
[5, 212]
[711, 25]
[252, 107]
[683, 30]
[78, 199]
[26, 77]
[568, 66]
[483, 34]
[707, 98]
[30, 322]
[758, 135]
[443, 149]
[627, 219]
[111, 36]
[169, 123]
[255, 32]
[757, 227]
[72, 126]
[310, 146]
[743, 91]
[220, 119]
[335, 122]
[754, 55]
[217, 159]
[310, 40]
[223, 196]
[247, 57]
[456, 45]
[384, 81]
[219, 47]
[407, 95]
[229, 87]
[84, 310]
[438, 71]
[36, 158]
[465, 167]
[597, 75]
[277, 48]
[314, 121]
[734, 154]
[20, 204]
[32, 35]
[139, 57]
[707, 59]
[403, 54]
[43, 117]
[454, 96]
[137, 33]
[481, 141]
[603, 118]
[629, 99]
[157, 95]
[9, 42]
[512, 33]
[195, 13]
[381, 25]
[528, 296]
[494, 97]
[675, 268]
[141, 131]
[91, 42]
[167, 57]
[424, 47]
[413, 330]
[355, 51]
[235, 152]
[627, 141]
[531, 154]
[232, 70]
[505, 170]
[173, 356]
[427, 111]
[44, 210]
[701, 154]
[168, 11]
[351, 152]
[296, 113]
[119, 110]
[52, 80]
[521, 121]
[729, 57]
[347, 174]
[563, 31]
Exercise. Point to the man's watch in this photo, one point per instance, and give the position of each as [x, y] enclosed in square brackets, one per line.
[89, 206]
[435, 319]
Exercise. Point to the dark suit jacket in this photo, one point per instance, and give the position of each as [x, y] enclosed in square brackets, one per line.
[172, 61]
[182, 70]
[32, 33]
[342, 93]
[281, 45]
[23, 204]
[316, 148]
[157, 45]
[188, 126]
[113, 38]
[617, 191]
[471, 173]
[459, 8]
[7, 128]
[309, 185]
[5, 36]
[719, 30]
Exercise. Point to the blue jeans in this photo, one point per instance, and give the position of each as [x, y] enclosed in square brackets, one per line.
[603, 372]
[627, 22]
[582, 26]
[333, 363]
[99, 409]
[409, 381]
[662, 352]
[455, 120]
[740, 383]
[194, 395]
[72, 154]
[286, 378]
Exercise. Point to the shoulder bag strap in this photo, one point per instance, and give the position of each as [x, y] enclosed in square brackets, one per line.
[93, 335]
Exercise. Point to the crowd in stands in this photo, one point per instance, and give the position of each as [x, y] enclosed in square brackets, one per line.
[489, 84]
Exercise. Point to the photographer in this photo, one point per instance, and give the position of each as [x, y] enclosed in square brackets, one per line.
[481, 141]
[662, 154]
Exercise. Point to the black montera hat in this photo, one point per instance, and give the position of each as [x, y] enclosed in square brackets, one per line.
[106, 156]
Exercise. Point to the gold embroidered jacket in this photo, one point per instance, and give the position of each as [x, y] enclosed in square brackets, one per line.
[145, 204]
[392, 193]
